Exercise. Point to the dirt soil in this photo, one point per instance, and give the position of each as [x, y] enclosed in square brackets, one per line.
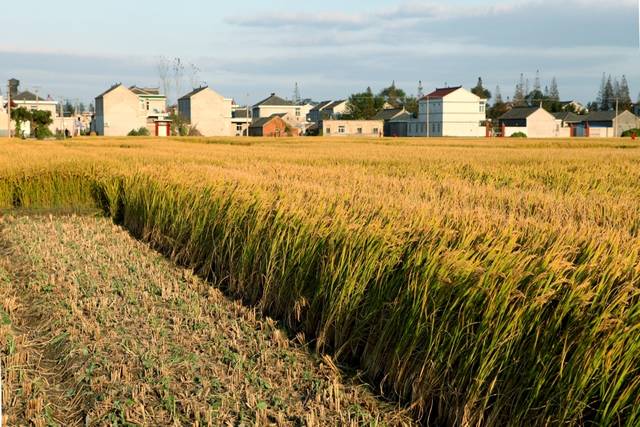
[97, 329]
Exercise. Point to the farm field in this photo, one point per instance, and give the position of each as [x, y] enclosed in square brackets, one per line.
[100, 330]
[488, 282]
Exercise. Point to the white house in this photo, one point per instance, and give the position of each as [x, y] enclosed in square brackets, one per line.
[534, 122]
[451, 111]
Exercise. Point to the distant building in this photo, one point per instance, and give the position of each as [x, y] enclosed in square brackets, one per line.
[606, 124]
[567, 120]
[534, 122]
[4, 118]
[33, 102]
[207, 111]
[118, 112]
[151, 100]
[396, 121]
[573, 107]
[273, 126]
[276, 105]
[451, 111]
[353, 128]
[240, 120]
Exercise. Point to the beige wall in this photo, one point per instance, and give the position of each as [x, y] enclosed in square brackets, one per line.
[210, 113]
[4, 118]
[338, 128]
[42, 105]
[153, 106]
[457, 114]
[119, 112]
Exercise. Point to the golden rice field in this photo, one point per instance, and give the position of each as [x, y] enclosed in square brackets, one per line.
[483, 282]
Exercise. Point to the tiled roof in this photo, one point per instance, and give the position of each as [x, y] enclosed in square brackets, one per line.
[273, 100]
[388, 114]
[145, 90]
[442, 92]
[518, 113]
[321, 106]
[194, 92]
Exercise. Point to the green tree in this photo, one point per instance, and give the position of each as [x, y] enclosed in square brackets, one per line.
[624, 97]
[364, 105]
[69, 109]
[480, 91]
[393, 95]
[411, 104]
[20, 115]
[608, 96]
[40, 121]
[499, 107]
[554, 93]
[519, 94]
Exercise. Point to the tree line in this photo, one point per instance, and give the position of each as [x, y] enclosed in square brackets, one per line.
[613, 91]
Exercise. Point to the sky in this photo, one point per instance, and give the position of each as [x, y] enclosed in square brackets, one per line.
[247, 50]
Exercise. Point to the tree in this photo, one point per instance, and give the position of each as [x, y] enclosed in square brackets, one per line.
[92, 108]
[68, 109]
[364, 105]
[178, 75]
[393, 95]
[411, 104]
[480, 91]
[537, 86]
[20, 115]
[498, 98]
[518, 96]
[41, 120]
[81, 108]
[499, 107]
[554, 93]
[164, 69]
[194, 76]
[624, 96]
[608, 96]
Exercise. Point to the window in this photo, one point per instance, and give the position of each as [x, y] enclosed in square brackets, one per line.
[328, 131]
[238, 127]
[359, 131]
[341, 129]
[482, 108]
[297, 112]
[147, 105]
[376, 131]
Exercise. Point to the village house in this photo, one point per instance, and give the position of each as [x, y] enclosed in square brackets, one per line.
[118, 112]
[606, 124]
[207, 111]
[534, 122]
[240, 120]
[352, 128]
[151, 100]
[273, 126]
[567, 120]
[276, 105]
[451, 111]
[396, 121]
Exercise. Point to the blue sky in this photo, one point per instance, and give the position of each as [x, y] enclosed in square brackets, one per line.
[332, 48]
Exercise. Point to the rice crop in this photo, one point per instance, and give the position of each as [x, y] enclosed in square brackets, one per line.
[483, 283]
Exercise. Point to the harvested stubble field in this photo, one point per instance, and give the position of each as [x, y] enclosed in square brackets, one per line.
[481, 282]
[99, 330]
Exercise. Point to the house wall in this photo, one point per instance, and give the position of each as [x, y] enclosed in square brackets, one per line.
[4, 121]
[210, 113]
[542, 124]
[118, 112]
[344, 128]
[458, 114]
[42, 105]
[153, 105]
